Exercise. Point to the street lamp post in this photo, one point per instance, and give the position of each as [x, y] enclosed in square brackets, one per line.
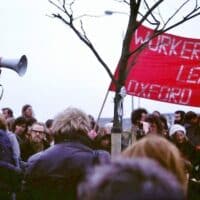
[116, 135]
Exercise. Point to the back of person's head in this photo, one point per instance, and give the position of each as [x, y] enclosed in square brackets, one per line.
[190, 116]
[49, 123]
[136, 115]
[69, 124]
[161, 150]
[138, 179]
[156, 113]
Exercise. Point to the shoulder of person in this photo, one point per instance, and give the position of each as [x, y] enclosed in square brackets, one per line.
[101, 157]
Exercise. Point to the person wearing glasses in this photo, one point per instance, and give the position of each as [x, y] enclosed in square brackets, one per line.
[36, 141]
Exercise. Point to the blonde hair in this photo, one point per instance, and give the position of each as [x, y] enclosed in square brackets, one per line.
[161, 150]
[70, 121]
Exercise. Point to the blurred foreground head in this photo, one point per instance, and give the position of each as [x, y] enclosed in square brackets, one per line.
[161, 150]
[138, 179]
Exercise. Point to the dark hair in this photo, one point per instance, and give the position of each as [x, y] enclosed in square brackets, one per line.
[24, 108]
[182, 115]
[137, 114]
[189, 116]
[164, 121]
[139, 178]
[49, 123]
[20, 121]
[155, 119]
[9, 110]
[181, 112]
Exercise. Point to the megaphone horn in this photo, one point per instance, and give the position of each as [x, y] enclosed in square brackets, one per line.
[18, 65]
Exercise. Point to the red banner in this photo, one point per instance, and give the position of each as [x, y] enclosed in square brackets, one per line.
[167, 70]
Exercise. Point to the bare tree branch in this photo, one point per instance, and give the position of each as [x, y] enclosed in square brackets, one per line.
[149, 13]
[57, 6]
[175, 13]
[123, 1]
[133, 24]
[87, 42]
[157, 22]
[164, 29]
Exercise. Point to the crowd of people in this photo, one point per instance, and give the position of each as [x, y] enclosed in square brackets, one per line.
[69, 157]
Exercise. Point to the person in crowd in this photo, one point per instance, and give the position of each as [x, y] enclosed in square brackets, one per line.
[127, 179]
[13, 140]
[108, 126]
[103, 140]
[49, 124]
[6, 151]
[156, 113]
[11, 179]
[178, 137]
[58, 170]
[155, 125]
[179, 117]
[20, 129]
[7, 113]
[28, 114]
[139, 126]
[126, 139]
[164, 123]
[10, 123]
[193, 128]
[190, 155]
[93, 123]
[37, 140]
[49, 135]
[10, 174]
[94, 127]
[9, 117]
[163, 151]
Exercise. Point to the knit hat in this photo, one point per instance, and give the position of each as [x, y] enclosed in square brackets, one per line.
[176, 127]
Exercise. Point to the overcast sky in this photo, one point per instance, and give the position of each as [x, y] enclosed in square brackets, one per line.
[61, 70]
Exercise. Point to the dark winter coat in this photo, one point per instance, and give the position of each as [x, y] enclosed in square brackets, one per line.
[193, 134]
[56, 173]
[10, 181]
[6, 152]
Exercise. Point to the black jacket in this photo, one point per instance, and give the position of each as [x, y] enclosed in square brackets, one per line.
[10, 180]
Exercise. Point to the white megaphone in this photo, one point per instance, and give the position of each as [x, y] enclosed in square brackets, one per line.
[18, 65]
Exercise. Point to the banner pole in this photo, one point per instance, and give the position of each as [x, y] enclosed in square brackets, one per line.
[132, 102]
[138, 102]
[104, 101]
